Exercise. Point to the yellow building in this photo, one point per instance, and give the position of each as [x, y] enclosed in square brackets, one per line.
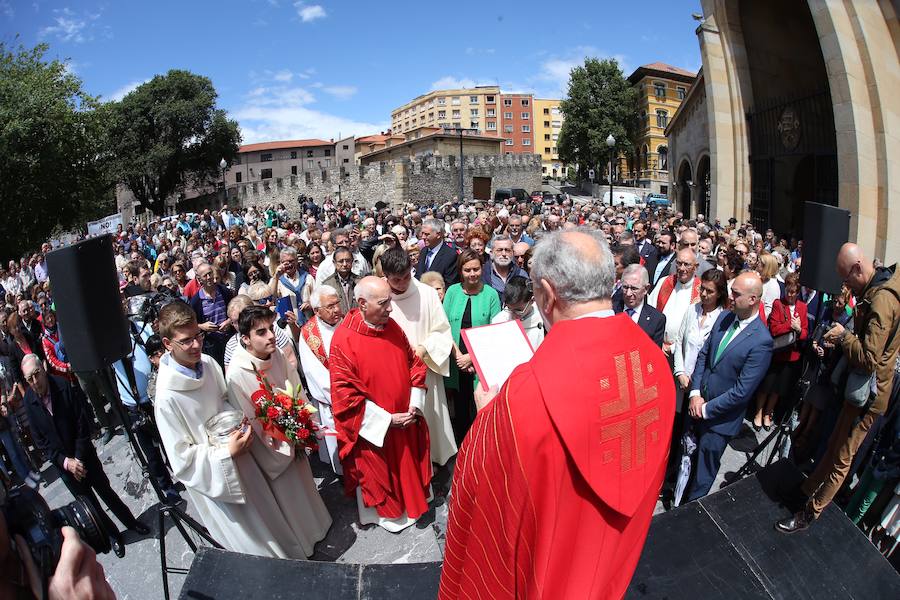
[661, 87]
[548, 119]
[469, 108]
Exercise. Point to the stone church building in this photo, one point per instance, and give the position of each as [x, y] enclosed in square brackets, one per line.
[797, 100]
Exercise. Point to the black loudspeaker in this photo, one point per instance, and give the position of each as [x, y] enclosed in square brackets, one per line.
[88, 306]
[825, 229]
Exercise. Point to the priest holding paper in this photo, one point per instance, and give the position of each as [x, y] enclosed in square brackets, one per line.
[557, 479]
[378, 395]
[418, 311]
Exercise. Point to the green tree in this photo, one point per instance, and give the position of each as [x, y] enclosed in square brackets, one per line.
[167, 135]
[54, 173]
[600, 102]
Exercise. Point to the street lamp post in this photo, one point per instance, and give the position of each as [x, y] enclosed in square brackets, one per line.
[611, 144]
[462, 180]
[224, 165]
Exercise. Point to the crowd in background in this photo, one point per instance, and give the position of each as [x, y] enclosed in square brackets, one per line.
[675, 276]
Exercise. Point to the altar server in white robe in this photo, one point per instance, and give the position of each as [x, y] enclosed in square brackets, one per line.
[313, 349]
[253, 505]
[419, 313]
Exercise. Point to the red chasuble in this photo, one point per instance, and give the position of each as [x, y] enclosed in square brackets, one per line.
[379, 365]
[557, 479]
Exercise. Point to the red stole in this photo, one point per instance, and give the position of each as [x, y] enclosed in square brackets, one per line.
[379, 365]
[557, 479]
[313, 339]
[668, 286]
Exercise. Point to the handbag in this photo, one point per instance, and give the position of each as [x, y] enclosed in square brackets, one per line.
[786, 339]
[861, 387]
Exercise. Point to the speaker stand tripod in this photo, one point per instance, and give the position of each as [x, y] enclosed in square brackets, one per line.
[180, 519]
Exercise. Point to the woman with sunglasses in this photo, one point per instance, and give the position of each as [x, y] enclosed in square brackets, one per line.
[519, 306]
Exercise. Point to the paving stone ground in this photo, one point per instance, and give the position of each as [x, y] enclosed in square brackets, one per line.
[137, 575]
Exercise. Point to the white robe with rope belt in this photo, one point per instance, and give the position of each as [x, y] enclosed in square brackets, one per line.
[419, 313]
[256, 507]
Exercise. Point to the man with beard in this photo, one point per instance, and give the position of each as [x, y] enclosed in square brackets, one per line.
[360, 266]
[313, 350]
[458, 235]
[516, 232]
[660, 264]
[501, 266]
[418, 310]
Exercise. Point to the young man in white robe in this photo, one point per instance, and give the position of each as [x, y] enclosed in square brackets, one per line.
[250, 505]
[417, 309]
[314, 348]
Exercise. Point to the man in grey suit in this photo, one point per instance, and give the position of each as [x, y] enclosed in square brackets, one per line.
[730, 367]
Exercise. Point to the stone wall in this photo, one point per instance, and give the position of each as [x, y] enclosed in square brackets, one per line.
[426, 179]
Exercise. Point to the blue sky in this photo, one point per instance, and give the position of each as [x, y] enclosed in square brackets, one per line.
[287, 69]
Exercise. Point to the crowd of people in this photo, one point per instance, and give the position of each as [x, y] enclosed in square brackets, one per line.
[365, 308]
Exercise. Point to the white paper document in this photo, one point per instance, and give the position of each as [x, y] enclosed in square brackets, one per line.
[496, 350]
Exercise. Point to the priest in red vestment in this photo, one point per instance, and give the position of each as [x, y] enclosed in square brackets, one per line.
[377, 396]
[556, 482]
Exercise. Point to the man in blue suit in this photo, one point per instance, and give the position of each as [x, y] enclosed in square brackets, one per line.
[730, 367]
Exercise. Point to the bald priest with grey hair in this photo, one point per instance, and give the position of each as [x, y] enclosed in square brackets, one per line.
[566, 460]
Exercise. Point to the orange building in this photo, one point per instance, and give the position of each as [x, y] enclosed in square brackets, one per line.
[517, 123]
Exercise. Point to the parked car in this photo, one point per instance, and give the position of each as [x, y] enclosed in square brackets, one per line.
[503, 194]
[658, 201]
[627, 199]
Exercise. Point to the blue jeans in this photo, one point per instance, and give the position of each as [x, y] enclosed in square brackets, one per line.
[16, 455]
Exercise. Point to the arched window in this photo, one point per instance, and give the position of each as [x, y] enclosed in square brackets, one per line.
[663, 153]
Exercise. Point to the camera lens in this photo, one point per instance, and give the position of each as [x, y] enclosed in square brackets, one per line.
[82, 516]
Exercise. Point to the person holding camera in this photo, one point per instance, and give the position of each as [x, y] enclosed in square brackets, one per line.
[62, 432]
[870, 350]
[77, 576]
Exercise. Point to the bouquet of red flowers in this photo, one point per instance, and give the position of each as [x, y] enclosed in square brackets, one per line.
[285, 414]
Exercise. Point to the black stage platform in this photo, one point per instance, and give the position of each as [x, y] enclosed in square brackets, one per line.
[723, 546]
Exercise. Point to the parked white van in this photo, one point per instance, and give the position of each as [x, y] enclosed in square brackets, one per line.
[627, 198]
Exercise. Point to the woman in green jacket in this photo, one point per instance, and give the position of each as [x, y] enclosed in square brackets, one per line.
[469, 303]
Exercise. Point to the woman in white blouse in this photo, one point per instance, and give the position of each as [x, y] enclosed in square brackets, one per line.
[697, 325]
[767, 267]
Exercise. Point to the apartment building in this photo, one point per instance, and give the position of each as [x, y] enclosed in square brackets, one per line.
[273, 160]
[548, 119]
[662, 88]
[468, 108]
[517, 121]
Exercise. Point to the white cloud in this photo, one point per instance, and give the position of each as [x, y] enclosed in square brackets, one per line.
[285, 113]
[309, 12]
[70, 27]
[284, 76]
[451, 82]
[341, 92]
[126, 89]
[552, 79]
[7, 9]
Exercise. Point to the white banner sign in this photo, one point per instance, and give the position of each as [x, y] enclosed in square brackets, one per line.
[104, 225]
